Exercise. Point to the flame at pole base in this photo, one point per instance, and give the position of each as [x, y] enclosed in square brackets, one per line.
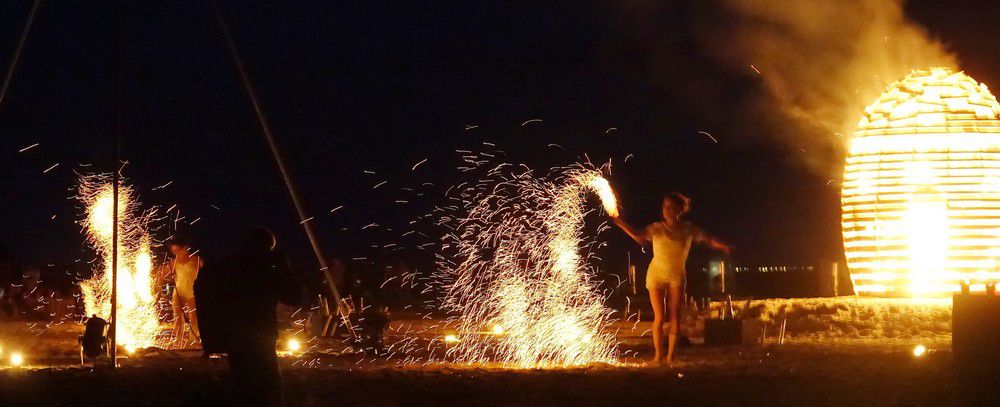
[138, 324]
[515, 262]
[921, 192]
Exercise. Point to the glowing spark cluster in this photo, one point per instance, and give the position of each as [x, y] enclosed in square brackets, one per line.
[514, 276]
[921, 193]
[138, 324]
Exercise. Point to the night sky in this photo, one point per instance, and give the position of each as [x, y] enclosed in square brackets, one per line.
[356, 86]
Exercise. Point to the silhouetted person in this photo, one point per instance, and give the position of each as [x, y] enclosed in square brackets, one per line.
[237, 305]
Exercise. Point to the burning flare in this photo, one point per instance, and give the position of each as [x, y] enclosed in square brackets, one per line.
[138, 324]
[514, 261]
[601, 186]
[921, 193]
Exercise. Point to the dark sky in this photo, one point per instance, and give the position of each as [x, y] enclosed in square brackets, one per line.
[355, 86]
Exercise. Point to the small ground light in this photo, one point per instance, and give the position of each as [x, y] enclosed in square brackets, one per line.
[450, 338]
[294, 345]
[16, 359]
[919, 350]
[497, 329]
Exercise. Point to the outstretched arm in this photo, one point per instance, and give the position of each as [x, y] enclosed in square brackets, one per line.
[641, 236]
[700, 236]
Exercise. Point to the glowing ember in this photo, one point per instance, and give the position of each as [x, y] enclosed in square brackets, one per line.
[137, 316]
[921, 193]
[513, 265]
[16, 359]
[294, 345]
[919, 350]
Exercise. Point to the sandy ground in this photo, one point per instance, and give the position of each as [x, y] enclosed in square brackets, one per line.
[846, 363]
[792, 375]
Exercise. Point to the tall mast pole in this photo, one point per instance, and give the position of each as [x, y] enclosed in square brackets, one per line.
[17, 51]
[265, 127]
[115, 181]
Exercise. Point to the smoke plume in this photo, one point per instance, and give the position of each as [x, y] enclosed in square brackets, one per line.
[820, 62]
[824, 61]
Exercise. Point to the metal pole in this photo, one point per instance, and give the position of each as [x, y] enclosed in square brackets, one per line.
[17, 51]
[722, 275]
[115, 181]
[279, 160]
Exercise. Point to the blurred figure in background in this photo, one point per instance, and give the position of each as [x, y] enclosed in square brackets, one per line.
[29, 294]
[7, 273]
[183, 269]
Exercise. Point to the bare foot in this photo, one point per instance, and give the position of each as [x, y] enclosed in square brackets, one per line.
[674, 364]
[655, 362]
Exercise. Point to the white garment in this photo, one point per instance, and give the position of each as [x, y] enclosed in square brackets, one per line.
[670, 252]
[184, 276]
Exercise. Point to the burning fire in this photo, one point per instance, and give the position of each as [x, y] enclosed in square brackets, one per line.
[921, 193]
[514, 267]
[138, 324]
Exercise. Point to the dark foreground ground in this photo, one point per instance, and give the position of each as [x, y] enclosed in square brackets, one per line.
[839, 352]
[793, 375]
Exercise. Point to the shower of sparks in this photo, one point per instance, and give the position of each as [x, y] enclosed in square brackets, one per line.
[514, 260]
[138, 322]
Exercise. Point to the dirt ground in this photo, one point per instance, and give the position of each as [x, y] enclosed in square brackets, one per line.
[809, 369]
[856, 374]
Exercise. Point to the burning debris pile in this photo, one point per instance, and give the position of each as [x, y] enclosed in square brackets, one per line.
[514, 276]
[138, 323]
[921, 192]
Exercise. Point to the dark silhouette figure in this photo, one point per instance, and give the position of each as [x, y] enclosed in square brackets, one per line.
[94, 341]
[237, 306]
[374, 320]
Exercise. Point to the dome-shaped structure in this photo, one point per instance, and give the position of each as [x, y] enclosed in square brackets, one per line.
[921, 191]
